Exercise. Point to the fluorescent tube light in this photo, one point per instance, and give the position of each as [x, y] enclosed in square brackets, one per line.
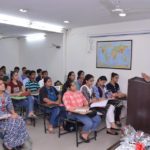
[122, 14]
[11, 20]
[36, 37]
[22, 22]
[46, 27]
[66, 21]
[23, 10]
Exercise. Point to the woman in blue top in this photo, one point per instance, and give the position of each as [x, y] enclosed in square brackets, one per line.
[80, 79]
[101, 93]
[13, 126]
[51, 97]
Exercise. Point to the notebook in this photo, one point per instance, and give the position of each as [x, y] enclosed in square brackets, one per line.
[99, 104]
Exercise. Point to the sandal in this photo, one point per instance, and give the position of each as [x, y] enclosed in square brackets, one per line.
[84, 140]
[51, 130]
[112, 133]
[32, 116]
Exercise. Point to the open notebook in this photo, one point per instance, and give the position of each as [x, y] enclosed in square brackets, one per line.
[99, 104]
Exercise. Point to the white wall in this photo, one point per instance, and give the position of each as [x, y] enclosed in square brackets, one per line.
[9, 53]
[78, 46]
[41, 54]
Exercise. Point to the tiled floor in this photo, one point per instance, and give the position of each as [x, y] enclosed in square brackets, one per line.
[42, 141]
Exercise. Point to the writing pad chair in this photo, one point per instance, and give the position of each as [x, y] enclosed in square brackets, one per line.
[78, 125]
[21, 109]
[45, 114]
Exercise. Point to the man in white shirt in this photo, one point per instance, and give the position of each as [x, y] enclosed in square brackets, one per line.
[44, 75]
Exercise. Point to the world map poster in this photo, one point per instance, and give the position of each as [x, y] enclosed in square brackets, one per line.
[114, 54]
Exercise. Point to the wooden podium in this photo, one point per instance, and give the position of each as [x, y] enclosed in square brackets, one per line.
[138, 113]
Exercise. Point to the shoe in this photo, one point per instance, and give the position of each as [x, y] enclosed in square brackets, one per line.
[32, 116]
[112, 133]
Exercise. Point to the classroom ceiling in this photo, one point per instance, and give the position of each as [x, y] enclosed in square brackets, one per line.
[78, 12]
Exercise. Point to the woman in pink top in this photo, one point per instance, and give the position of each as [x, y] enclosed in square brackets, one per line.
[73, 100]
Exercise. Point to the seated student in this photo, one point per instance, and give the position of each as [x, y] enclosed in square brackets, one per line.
[39, 75]
[23, 76]
[114, 88]
[15, 88]
[51, 97]
[13, 127]
[27, 73]
[17, 69]
[100, 93]
[71, 77]
[32, 85]
[74, 99]
[44, 75]
[87, 89]
[3, 77]
[80, 79]
[5, 73]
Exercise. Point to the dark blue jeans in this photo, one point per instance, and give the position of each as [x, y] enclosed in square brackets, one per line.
[55, 114]
[90, 124]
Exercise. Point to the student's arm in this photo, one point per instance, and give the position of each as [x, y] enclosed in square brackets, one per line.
[86, 104]
[49, 102]
[10, 108]
[12, 94]
[44, 97]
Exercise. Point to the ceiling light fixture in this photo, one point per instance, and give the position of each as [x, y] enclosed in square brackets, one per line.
[23, 10]
[11, 20]
[66, 21]
[117, 10]
[35, 37]
[22, 22]
[122, 14]
[46, 26]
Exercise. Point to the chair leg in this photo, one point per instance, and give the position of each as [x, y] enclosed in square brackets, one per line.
[34, 122]
[95, 135]
[59, 130]
[77, 136]
[45, 130]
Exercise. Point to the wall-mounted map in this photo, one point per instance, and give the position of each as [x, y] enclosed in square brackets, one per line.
[114, 54]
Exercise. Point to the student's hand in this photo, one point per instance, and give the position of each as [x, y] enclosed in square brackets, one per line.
[121, 95]
[85, 107]
[101, 99]
[14, 116]
[94, 100]
[57, 103]
[19, 94]
[114, 95]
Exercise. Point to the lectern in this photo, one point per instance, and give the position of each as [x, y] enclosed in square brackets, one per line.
[138, 112]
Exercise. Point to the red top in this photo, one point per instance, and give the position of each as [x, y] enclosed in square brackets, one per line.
[15, 88]
[73, 100]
